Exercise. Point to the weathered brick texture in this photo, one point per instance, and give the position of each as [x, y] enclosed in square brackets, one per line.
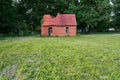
[59, 24]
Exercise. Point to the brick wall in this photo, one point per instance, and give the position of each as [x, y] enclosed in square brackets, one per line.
[44, 31]
[59, 31]
[72, 31]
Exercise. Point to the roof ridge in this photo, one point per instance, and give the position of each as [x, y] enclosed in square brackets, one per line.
[61, 19]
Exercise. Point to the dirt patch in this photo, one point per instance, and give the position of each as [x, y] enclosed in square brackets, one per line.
[9, 71]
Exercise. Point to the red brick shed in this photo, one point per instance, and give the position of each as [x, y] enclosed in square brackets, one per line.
[61, 25]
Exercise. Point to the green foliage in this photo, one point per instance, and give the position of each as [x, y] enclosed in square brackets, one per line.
[91, 14]
[116, 17]
[48, 58]
[7, 18]
[42, 20]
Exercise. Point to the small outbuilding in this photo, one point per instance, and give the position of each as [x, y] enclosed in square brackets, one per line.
[61, 25]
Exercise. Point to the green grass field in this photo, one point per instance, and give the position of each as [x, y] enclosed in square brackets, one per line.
[85, 57]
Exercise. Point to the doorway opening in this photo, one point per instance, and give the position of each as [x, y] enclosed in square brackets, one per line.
[50, 31]
[67, 31]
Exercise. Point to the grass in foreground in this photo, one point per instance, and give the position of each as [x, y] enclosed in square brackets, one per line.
[86, 57]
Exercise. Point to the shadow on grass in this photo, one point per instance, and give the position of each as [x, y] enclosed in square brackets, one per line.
[8, 36]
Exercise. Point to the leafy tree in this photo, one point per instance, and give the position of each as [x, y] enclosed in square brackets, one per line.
[32, 11]
[116, 10]
[91, 14]
[7, 16]
[26, 15]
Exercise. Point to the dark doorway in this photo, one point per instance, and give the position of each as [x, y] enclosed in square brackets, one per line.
[67, 31]
[50, 31]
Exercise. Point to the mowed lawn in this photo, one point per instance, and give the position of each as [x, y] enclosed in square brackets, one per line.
[85, 57]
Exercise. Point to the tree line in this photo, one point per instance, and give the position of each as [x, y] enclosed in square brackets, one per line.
[25, 16]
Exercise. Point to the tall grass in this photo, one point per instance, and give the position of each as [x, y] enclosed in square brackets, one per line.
[85, 57]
